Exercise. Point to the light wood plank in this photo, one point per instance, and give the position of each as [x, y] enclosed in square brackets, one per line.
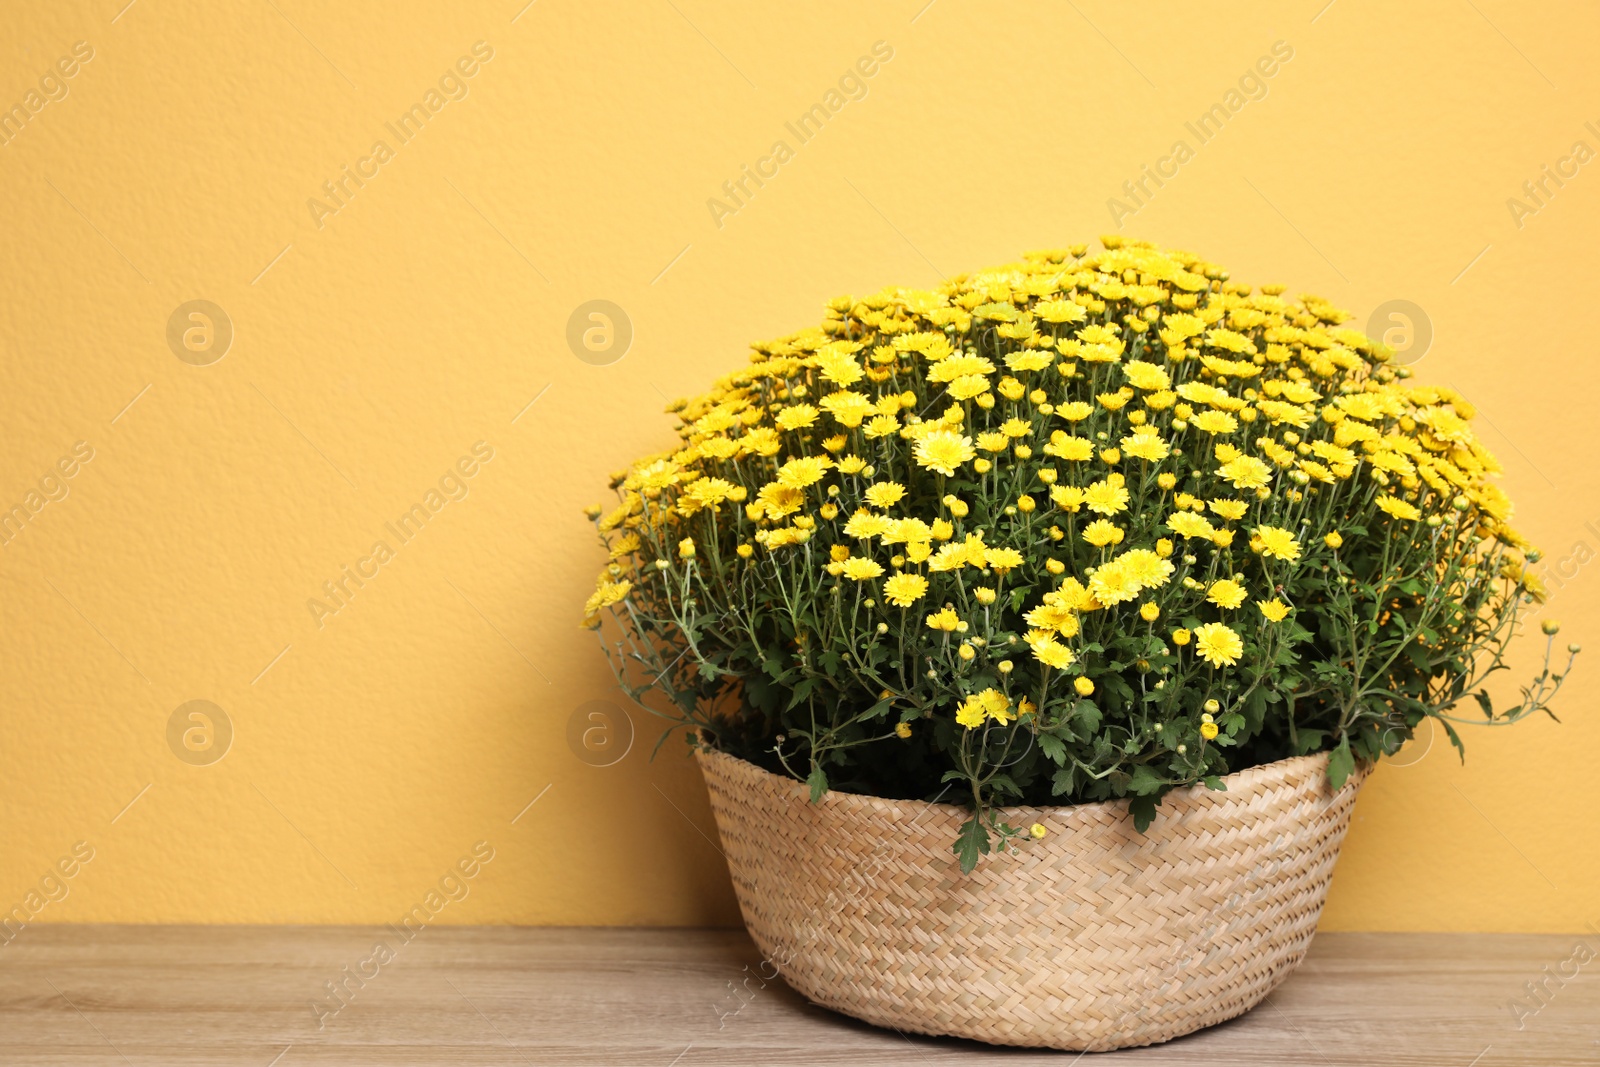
[145, 995]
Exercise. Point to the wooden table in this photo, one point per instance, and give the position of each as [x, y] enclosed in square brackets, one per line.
[666, 998]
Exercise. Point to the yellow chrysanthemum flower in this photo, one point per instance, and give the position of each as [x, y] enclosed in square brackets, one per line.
[1276, 542]
[904, 590]
[1107, 496]
[943, 451]
[1002, 559]
[848, 408]
[1074, 410]
[1113, 584]
[1214, 422]
[778, 500]
[605, 595]
[1246, 472]
[796, 417]
[803, 471]
[881, 426]
[1217, 644]
[1147, 569]
[866, 524]
[1188, 524]
[885, 494]
[1052, 653]
[1102, 532]
[1275, 610]
[1065, 446]
[1147, 376]
[861, 569]
[839, 367]
[1226, 593]
[1398, 508]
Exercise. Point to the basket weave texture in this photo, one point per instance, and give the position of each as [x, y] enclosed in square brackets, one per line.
[1095, 937]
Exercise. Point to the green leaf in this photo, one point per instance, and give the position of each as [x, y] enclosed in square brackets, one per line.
[1143, 810]
[1455, 739]
[818, 781]
[972, 842]
[1255, 711]
[1213, 782]
[1061, 782]
[1144, 781]
[1002, 783]
[876, 711]
[1311, 741]
[802, 691]
[1340, 764]
[1054, 750]
[1086, 719]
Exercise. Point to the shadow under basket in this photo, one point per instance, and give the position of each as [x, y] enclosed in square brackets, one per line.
[1094, 937]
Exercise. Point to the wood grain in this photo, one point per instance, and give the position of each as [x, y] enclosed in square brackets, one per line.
[148, 995]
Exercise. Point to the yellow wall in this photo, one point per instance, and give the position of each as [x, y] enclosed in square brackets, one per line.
[374, 748]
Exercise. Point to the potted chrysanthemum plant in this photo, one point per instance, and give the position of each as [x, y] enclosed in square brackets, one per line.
[1005, 566]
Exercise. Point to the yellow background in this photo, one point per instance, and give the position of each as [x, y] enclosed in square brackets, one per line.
[432, 308]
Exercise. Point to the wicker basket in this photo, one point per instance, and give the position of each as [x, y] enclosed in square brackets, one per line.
[1095, 937]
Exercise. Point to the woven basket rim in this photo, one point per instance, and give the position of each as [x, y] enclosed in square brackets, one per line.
[1059, 813]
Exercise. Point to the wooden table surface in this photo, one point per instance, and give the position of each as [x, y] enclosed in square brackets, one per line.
[667, 998]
